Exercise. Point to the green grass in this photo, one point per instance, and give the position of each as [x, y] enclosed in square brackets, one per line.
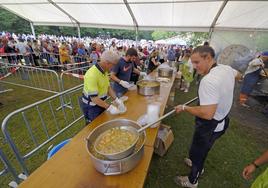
[225, 161]
[20, 97]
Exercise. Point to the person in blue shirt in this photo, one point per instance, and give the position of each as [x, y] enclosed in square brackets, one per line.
[94, 56]
[121, 72]
[81, 52]
[171, 54]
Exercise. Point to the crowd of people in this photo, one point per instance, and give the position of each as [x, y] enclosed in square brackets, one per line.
[62, 50]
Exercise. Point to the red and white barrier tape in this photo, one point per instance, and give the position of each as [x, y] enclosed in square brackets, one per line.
[65, 65]
[80, 76]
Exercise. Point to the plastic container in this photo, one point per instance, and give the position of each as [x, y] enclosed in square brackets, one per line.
[56, 148]
[153, 111]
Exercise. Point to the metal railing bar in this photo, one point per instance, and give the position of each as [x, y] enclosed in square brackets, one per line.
[40, 89]
[33, 76]
[42, 121]
[42, 83]
[8, 167]
[28, 126]
[51, 138]
[48, 82]
[72, 109]
[54, 116]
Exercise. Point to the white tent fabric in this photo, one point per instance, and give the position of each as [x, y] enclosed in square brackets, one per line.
[256, 41]
[177, 15]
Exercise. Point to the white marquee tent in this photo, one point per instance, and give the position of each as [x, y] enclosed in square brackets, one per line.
[246, 20]
[178, 15]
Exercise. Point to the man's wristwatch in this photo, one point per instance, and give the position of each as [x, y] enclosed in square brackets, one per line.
[254, 164]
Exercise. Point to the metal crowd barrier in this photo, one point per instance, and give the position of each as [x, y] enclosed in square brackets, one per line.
[31, 58]
[42, 59]
[29, 129]
[30, 77]
[15, 58]
[78, 74]
[70, 73]
[8, 169]
[3, 90]
[6, 90]
[54, 59]
[49, 60]
[69, 66]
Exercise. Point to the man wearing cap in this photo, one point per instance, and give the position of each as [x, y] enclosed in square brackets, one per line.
[215, 95]
[121, 73]
[96, 88]
[252, 76]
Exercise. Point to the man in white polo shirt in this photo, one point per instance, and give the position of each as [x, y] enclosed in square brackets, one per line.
[215, 101]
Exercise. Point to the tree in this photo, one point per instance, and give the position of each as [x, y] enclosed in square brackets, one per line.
[13, 23]
[198, 38]
[157, 35]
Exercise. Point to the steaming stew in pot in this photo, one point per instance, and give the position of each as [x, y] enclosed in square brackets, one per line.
[115, 140]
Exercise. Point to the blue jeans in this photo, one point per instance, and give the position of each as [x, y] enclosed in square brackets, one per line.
[250, 80]
[90, 112]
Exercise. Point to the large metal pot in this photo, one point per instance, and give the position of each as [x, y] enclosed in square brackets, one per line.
[113, 167]
[108, 166]
[120, 153]
[165, 72]
[148, 87]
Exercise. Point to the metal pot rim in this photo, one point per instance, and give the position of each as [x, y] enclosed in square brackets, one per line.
[147, 81]
[112, 154]
[166, 68]
[116, 160]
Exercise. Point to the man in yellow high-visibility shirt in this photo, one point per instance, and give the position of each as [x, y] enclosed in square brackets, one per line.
[97, 86]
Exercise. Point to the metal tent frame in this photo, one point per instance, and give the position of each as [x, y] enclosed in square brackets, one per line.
[136, 16]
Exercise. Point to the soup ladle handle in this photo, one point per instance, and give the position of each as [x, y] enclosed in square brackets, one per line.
[166, 115]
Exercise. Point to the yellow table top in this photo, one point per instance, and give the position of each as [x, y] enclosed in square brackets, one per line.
[71, 167]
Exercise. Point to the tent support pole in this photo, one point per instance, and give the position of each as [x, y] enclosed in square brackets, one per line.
[137, 34]
[78, 31]
[32, 28]
[211, 29]
[135, 23]
[67, 14]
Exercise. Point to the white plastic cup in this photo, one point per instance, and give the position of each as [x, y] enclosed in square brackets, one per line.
[153, 111]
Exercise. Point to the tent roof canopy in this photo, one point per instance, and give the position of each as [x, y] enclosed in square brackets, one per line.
[176, 15]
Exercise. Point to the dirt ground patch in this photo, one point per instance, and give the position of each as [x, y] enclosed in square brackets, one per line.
[252, 119]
